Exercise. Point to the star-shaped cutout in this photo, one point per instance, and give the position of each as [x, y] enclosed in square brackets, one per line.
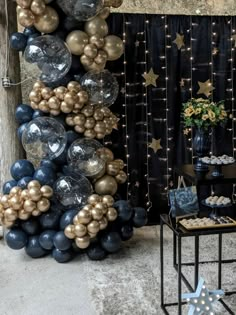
[234, 38]
[179, 41]
[155, 145]
[205, 88]
[201, 301]
[150, 78]
[122, 90]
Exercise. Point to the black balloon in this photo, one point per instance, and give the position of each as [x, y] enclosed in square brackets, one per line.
[31, 226]
[61, 242]
[96, 252]
[67, 218]
[111, 242]
[34, 249]
[46, 239]
[16, 238]
[126, 232]
[62, 256]
[50, 220]
[125, 212]
[140, 217]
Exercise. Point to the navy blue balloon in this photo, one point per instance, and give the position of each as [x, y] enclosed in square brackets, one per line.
[31, 226]
[32, 37]
[140, 217]
[16, 238]
[49, 220]
[46, 239]
[62, 256]
[20, 130]
[72, 136]
[111, 242]
[23, 182]
[38, 113]
[8, 186]
[61, 242]
[67, 218]
[34, 249]
[124, 211]
[18, 41]
[45, 175]
[96, 252]
[126, 232]
[22, 168]
[30, 31]
[24, 113]
[48, 163]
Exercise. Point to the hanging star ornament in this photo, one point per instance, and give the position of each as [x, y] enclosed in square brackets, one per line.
[179, 41]
[155, 145]
[201, 301]
[150, 78]
[205, 88]
[234, 38]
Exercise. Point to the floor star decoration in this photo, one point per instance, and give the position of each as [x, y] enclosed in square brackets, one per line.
[205, 88]
[179, 41]
[155, 145]
[150, 78]
[201, 301]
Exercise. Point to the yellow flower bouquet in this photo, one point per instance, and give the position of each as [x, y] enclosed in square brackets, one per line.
[203, 113]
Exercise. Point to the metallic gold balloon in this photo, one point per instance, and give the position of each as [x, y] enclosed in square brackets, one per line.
[35, 96]
[97, 214]
[34, 105]
[25, 4]
[54, 102]
[80, 230]
[74, 86]
[96, 67]
[79, 129]
[89, 123]
[11, 214]
[105, 154]
[25, 194]
[92, 235]
[46, 191]
[29, 206]
[15, 202]
[70, 98]
[114, 47]
[121, 177]
[111, 214]
[26, 17]
[88, 207]
[104, 13]
[103, 223]
[94, 199]
[48, 21]
[70, 121]
[38, 7]
[83, 242]
[93, 227]
[15, 191]
[101, 206]
[76, 41]
[112, 168]
[43, 205]
[55, 112]
[43, 106]
[76, 220]
[60, 92]
[100, 127]
[106, 111]
[70, 231]
[35, 194]
[98, 114]
[106, 185]
[86, 61]
[108, 200]
[120, 162]
[5, 201]
[38, 85]
[23, 215]
[79, 119]
[90, 50]
[36, 213]
[66, 108]
[34, 184]
[96, 26]
[84, 217]
[83, 96]
[101, 57]
[100, 135]
[97, 40]
[90, 133]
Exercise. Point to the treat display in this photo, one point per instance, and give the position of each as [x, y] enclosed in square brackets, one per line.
[216, 201]
[218, 160]
[207, 223]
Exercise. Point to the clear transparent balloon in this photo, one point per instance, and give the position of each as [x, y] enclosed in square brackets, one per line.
[44, 138]
[82, 10]
[101, 86]
[72, 191]
[83, 159]
[51, 56]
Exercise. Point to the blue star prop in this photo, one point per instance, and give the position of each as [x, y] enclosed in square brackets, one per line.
[201, 301]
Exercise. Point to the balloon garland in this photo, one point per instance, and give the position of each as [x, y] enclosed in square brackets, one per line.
[63, 198]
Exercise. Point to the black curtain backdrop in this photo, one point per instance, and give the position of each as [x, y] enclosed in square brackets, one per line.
[154, 112]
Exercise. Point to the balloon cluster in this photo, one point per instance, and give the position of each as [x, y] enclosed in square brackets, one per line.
[59, 100]
[91, 219]
[37, 13]
[24, 203]
[94, 45]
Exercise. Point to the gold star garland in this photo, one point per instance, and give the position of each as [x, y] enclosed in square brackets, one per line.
[179, 41]
[150, 78]
[205, 88]
[155, 145]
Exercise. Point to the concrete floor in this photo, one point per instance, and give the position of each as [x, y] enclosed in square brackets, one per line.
[42, 286]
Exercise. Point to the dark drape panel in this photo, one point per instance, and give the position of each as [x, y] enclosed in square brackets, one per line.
[155, 112]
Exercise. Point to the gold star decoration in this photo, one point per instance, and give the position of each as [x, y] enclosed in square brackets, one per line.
[234, 38]
[150, 78]
[137, 43]
[205, 88]
[115, 126]
[181, 83]
[122, 90]
[155, 145]
[215, 51]
[179, 41]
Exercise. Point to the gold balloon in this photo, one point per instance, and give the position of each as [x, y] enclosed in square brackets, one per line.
[114, 47]
[97, 40]
[97, 214]
[98, 115]
[35, 194]
[112, 168]
[38, 85]
[48, 21]
[100, 127]
[105, 154]
[55, 112]
[25, 17]
[79, 129]
[92, 235]
[34, 184]
[103, 223]
[101, 57]
[106, 185]
[43, 106]
[106, 111]
[5, 201]
[121, 163]
[84, 217]
[66, 108]
[80, 230]
[54, 102]
[25, 194]
[83, 242]
[88, 207]
[60, 92]
[96, 67]
[70, 98]
[36, 213]
[86, 61]
[101, 206]
[15, 202]
[76, 220]
[90, 133]
[100, 135]
[38, 7]
[90, 50]
[93, 227]
[46, 191]
[108, 200]
[94, 199]
[34, 105]
[70, 231]
[70, 120]
[111, 214]
[96, 26]
[43, 205]
[76, 41]
[25, 4]
[121, 177]
[83, 96]
[23, 215]
[104, 13]
[29, 206]
[35, 96]
[15, 191]
[10, 214]
[73, 86]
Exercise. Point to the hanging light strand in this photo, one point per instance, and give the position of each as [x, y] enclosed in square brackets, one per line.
[168, 170]
[232, 49]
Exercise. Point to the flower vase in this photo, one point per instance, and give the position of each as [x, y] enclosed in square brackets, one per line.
[201, 147]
